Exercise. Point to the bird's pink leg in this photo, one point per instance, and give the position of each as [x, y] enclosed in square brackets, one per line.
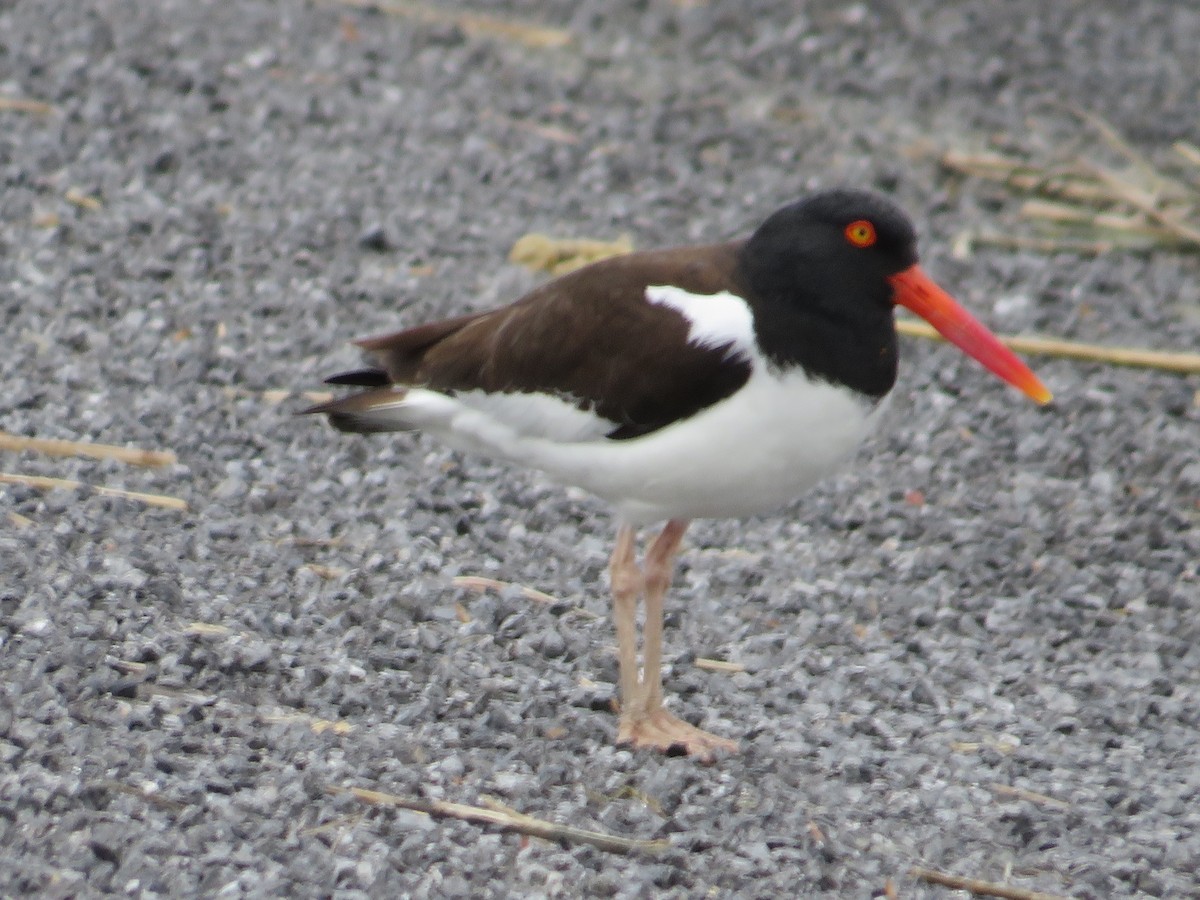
[645, 723]
[626, 580]
[659, 570]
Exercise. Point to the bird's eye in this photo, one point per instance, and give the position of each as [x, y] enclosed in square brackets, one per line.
[860, 233]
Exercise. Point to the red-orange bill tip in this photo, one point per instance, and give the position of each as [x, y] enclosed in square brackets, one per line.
[915, 290]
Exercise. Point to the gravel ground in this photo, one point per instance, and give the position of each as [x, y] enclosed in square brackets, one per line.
[1001, 680]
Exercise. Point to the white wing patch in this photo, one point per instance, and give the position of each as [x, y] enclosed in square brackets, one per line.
[716, 320]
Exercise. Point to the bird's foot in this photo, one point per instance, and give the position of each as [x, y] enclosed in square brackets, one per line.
[659, 730]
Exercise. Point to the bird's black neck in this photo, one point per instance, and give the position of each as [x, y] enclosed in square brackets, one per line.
[859, 352]
[839, 329]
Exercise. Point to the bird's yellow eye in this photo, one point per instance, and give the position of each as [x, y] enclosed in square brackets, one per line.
[860, 233]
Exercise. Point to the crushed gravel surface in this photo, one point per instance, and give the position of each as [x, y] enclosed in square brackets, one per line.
[977, 649]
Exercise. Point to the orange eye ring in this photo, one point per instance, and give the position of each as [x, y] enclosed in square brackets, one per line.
[860, 233]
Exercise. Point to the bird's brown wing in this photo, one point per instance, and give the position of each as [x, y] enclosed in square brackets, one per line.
[590, 337]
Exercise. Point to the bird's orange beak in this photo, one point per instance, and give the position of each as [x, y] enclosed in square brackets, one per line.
[915, 290]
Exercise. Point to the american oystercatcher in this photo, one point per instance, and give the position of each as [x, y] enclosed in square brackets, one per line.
[717, 380]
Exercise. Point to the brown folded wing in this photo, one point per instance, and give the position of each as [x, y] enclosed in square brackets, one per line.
[590, 337]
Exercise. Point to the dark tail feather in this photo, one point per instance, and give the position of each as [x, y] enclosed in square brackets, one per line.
[361, 378]
[370, 412]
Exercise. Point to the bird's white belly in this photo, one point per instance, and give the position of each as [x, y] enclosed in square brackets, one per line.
[740, 457]
[751, 453]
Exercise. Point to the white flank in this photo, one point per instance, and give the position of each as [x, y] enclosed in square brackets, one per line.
[537, 415]
[715, 319]
[748, 454]
[490, 423]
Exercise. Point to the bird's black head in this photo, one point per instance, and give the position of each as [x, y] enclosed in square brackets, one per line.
[839, 244]
[817, 272]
